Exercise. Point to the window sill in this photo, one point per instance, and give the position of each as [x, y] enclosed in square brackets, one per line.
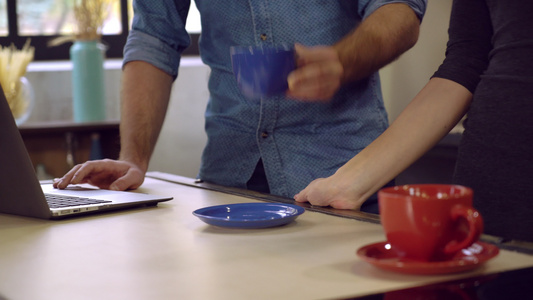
[109, 64]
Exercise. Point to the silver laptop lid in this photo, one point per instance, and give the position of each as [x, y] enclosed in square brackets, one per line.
[20, 191]
[22, 194]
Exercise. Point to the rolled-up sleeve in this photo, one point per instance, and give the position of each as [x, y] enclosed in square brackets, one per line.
[469, 44]
[158, 34]
[144, 47]
[367, 7]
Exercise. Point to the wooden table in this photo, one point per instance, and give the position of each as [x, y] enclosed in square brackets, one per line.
[165, 252]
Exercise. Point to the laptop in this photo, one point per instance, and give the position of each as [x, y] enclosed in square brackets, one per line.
[22, 194]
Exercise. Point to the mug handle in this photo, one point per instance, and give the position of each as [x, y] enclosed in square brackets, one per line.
[475, 226]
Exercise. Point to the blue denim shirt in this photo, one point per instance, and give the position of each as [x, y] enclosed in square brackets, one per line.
[298, 142]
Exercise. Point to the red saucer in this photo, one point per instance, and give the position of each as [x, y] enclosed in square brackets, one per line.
[382, 256]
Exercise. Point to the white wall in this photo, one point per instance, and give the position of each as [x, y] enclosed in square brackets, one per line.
[182, 138]
[405, 77]
[51, 82]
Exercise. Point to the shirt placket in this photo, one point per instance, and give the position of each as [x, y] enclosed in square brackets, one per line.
[262, 22]
[269, 106]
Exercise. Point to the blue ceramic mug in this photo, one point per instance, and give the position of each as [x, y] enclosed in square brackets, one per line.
[262, 71]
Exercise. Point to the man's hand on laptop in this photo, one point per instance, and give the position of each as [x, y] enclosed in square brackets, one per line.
[106, 174]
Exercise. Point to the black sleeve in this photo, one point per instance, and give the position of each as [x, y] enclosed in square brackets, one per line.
[467, 52]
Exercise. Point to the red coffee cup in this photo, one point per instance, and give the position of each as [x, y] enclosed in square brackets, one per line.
[429, 222]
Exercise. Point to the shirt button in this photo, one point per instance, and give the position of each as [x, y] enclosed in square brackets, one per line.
[264, 134]
[263, 37]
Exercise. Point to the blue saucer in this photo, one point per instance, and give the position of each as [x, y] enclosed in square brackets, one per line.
[249, 215]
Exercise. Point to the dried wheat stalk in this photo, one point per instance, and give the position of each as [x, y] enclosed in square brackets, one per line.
[90, 16]
[13, 65]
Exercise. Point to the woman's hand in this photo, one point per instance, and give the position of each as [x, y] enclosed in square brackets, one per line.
[331, 191]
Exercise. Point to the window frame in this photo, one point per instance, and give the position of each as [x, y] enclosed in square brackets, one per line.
[115, 43]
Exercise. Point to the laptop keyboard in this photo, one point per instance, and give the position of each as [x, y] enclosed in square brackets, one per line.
[56, 201]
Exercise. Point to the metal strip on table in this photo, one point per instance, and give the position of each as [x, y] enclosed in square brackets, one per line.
[351, 214]
[511, 245]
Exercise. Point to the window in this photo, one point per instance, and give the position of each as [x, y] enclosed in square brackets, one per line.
[3, 18]
[44, 20]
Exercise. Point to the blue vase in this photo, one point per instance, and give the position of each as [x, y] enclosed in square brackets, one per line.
[88, 90]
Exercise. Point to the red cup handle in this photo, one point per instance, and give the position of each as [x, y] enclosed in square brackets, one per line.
[475, 228]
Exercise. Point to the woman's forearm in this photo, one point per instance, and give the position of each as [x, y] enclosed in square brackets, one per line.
[436, 109]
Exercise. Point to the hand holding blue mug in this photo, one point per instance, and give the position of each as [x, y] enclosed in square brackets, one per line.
[318, 76]
[262, 71]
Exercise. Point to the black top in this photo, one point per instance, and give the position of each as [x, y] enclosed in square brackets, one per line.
[490, 52]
